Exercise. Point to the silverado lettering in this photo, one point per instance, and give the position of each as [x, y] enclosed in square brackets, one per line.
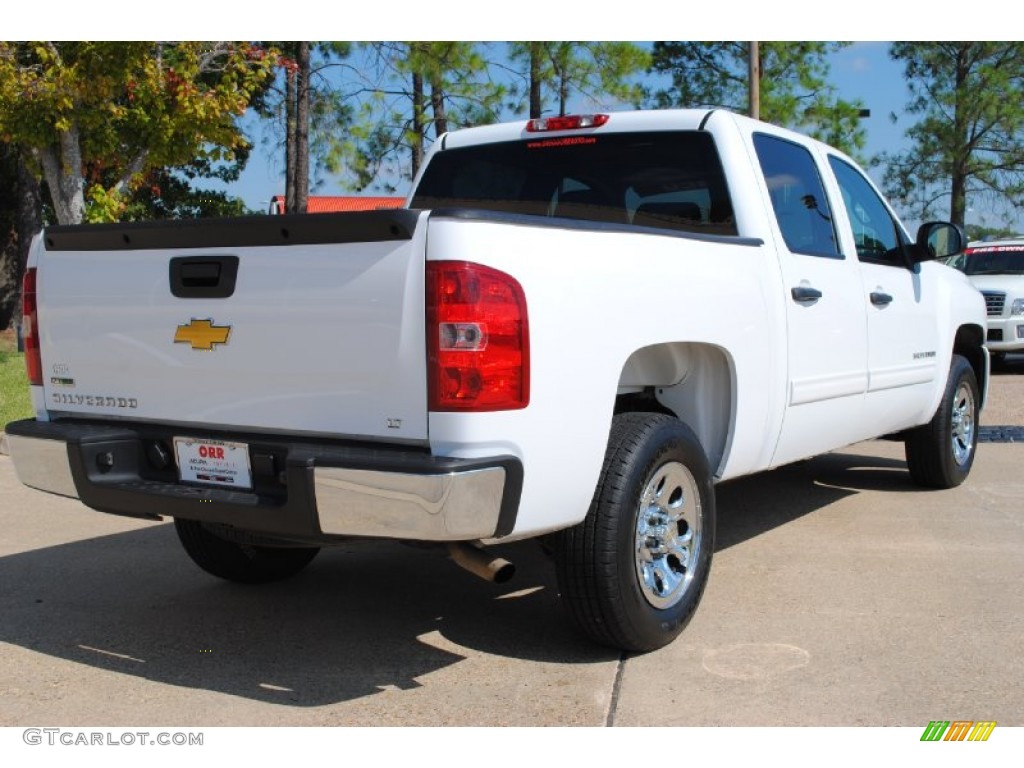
[92, 401]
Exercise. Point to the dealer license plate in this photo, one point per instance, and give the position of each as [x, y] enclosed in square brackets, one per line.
[213, 462]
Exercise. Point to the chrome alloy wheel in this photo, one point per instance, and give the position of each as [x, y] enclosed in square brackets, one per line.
[962, 424]
[668, 535]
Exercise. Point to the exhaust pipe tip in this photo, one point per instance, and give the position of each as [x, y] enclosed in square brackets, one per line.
[503, 571]
[482, 563]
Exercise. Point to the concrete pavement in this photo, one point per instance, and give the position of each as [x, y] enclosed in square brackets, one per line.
[840, 595]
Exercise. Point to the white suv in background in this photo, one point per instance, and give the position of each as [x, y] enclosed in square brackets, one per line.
[996, 269]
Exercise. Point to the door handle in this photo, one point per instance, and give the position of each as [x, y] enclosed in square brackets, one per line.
[880, 299]
[804, 294]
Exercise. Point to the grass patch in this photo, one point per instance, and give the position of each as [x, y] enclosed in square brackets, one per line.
[14, 400]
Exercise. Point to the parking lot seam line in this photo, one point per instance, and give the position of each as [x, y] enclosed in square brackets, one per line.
[613, 705]
[1001, 434]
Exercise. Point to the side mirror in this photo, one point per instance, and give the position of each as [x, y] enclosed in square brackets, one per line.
[937, 240]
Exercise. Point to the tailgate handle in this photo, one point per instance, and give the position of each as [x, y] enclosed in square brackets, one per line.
[203, 277]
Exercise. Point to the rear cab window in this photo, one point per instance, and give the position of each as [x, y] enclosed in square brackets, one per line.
[666, 180]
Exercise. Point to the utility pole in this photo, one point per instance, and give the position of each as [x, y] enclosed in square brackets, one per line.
[754, 82]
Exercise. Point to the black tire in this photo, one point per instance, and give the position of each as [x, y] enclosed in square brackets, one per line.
[602, 562]
[239, 561]
[940, 453]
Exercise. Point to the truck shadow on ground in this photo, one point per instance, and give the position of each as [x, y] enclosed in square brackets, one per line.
[358, 620]
[751, 506]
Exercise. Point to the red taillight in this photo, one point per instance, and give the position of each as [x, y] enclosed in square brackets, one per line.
[30, 328]
[477, 339]
[566, 123]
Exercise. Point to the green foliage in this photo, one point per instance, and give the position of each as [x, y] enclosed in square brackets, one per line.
[169, 193]
[794, 88]
[598, 71]
[968, 141]
[410, 94]
[330, 110]
[97, 116]
[980, 232]
[10, 272]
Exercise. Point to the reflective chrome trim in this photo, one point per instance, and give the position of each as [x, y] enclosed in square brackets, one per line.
[42, 464]
[994, 302]
[450, 507]
[962, 422]
[668, 535]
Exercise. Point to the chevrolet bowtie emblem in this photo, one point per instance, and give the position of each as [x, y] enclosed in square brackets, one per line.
[202, 334]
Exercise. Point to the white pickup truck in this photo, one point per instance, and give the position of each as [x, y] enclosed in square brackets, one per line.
[575, 329]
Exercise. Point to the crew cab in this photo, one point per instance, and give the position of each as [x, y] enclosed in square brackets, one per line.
[575, 328]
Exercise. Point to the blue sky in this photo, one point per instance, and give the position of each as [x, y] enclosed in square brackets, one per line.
[861, 71]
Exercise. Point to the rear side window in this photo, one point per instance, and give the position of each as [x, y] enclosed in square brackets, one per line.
[666, 180]
[798, 197]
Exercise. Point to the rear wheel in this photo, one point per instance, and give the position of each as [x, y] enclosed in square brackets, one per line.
[632, 573]
[940, 453]
[237, 560]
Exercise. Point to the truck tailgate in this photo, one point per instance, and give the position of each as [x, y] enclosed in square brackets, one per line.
[319, 330]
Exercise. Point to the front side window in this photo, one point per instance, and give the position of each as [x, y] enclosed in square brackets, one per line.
[874, 231]
[798, 197]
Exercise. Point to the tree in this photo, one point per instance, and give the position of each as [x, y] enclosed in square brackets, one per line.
[794, 89]
[175, 193]
[412, 93]
[298, 73]
[969, 138]
[95, 117]
[981, 232]
[296, 142]
[20, 219]
[305, 106]
[595, 70]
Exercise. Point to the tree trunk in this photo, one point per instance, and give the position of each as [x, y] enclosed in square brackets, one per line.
[536, 105]
[62, 169]
[27, 222]
[291, 124]
[418, 122]
[754, 80]
[561, 67]
[9, 278]
[437, 107]
[961, 153]
[302, 130]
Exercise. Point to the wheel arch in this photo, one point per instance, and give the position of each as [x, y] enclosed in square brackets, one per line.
[970, 344]
[693, 381]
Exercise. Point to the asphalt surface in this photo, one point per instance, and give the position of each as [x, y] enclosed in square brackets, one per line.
[840, 595]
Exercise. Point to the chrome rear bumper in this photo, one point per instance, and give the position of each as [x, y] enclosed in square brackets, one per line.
[308, 492]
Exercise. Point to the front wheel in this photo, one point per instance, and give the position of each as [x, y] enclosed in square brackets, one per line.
[940, 453]
[632, 573]
[238, 560]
